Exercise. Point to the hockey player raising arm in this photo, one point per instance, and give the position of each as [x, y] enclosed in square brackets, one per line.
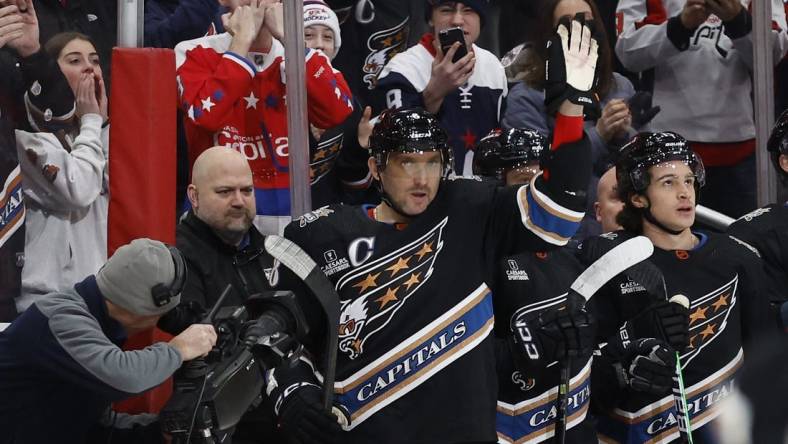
[416, 361]
[659, 177]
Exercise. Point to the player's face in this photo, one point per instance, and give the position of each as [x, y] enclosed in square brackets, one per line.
[569, 8]
[671, 194]
[523, 174]
[320, 37]
[608, 204]
[784, 162]
[411, 180]
[454, 14]
[76, 59]
[225, 200]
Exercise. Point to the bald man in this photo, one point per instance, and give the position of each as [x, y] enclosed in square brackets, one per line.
[608, 205]
[222, 246]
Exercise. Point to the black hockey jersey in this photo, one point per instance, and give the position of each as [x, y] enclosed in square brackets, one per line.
[766, 229]
[416, 359]
[728, 308]
[526, 410]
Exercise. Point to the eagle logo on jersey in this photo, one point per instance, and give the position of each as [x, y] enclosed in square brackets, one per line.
[324, 157]
[379, 289]
[383, 46]
[708, 317]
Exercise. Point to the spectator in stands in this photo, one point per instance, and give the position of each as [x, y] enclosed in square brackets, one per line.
[169, 22]
[60, 362]
[48, 95]
[701, 55]
[232, 90]
[608, 205]
[466, 96]
[525, 105]
[64, 180]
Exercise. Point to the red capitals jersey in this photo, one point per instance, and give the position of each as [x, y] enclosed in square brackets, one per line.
[239, 102]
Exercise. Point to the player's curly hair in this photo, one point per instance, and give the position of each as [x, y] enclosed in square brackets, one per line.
[630, 217]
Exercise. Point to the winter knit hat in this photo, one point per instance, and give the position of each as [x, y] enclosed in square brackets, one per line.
[480, 6]
[317, 12]
[137, 274]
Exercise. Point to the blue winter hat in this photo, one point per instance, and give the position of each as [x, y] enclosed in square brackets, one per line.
[480, 6]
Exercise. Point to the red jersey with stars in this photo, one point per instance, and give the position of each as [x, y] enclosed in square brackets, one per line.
[239, 102]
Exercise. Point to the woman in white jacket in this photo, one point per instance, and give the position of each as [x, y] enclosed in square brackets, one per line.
[64, 178]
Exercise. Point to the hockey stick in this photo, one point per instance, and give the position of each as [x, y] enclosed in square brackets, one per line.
[608, 266]
[680, 398]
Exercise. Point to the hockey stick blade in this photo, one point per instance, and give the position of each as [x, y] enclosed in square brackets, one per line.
[612, 263]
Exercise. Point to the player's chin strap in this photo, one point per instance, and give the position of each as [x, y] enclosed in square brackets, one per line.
[650, 217]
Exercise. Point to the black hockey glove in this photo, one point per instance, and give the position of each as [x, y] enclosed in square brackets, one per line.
[542, 337]
[570, 68]
[664, 320]
[643, 365]
[640, 105]
[297, 403]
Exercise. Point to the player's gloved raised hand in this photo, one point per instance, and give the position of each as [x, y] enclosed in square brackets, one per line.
[297, 404]
[665, 320]
[544, 336]
[570, 69]
[643, 365]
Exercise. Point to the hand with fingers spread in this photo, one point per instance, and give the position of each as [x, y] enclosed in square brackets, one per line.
[570, 72]
[27, 44]
[87, 103]
[694, 13]
[11, 24]
[446, 76]
[616, 119]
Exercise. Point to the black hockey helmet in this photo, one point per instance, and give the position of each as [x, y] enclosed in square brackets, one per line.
[778, 143]
[409, 130]
[501, 150]
[648, 149]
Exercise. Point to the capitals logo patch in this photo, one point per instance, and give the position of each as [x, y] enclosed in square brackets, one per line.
[708, 317]
[314, 215]
[383, 45]
[379, 289]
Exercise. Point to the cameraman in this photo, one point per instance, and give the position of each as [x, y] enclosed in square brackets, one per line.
[222, 246]
[60, 362]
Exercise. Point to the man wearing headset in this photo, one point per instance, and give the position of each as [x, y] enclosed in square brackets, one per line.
[61, 364]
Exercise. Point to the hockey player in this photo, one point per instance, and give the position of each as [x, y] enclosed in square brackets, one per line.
[533, 331]
[767, 228]
[658, 180]
[232, 89]
[466, 95]
[510, 157]
[416, 361]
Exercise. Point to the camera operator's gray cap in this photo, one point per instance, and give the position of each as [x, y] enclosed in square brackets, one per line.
[128, 277]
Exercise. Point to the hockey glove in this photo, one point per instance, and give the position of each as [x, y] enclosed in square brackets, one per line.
[644, 365]
[570, 69]
[664, 320]
[640, 105]
[297, 403]
[542, 337]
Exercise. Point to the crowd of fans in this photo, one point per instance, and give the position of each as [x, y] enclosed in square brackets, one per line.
[683, 66]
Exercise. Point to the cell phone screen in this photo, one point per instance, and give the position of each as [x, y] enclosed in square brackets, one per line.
[447, 38]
